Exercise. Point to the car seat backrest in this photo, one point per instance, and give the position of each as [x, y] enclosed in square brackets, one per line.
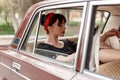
[111, 69]
[94, 56]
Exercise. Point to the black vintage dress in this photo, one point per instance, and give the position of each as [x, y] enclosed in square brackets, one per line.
[68, 48]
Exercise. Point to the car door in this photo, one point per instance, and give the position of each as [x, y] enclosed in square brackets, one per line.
[103, 15]
[47, 67]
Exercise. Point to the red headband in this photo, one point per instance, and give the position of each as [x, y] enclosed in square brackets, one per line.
[48, 20]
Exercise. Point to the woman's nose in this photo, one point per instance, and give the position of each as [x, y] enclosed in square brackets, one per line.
[64, 27]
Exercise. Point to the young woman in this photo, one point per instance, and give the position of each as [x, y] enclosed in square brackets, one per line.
[107, 53]
[54, 25]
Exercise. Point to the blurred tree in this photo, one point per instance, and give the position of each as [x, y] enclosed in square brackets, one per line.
[14, 10]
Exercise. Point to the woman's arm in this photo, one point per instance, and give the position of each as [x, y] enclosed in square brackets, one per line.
[107, 53]
[67, 59]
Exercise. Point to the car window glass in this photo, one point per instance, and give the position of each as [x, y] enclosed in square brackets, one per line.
[28, 43]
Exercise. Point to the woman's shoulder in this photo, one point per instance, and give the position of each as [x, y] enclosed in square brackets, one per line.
[42, 45]
[67, 41]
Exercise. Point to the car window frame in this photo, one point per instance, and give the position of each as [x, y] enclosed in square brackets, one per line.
[59, 6]
[93, 4]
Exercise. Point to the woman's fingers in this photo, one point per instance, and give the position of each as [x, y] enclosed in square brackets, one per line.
[113, 32]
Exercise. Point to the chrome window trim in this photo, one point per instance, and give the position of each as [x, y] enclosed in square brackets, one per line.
[67, 5]
[60, 2]
[80, 35]
[88, 20]
[105, 2]
[46, 59]
[97, 75]
[37, 29]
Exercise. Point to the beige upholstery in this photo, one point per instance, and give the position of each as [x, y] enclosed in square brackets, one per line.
[111, 69]
[30, 45]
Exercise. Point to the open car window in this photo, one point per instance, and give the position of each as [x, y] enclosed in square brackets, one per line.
[35, 33]
[73, 18]
[104, 18]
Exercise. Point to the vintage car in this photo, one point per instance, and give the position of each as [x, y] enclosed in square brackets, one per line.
[87, 20]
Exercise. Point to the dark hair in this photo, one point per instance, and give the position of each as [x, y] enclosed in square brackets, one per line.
[53, 18]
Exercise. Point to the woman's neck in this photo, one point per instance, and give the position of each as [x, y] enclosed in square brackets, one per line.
[53, 40]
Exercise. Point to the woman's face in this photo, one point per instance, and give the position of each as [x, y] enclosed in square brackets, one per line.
[58, 30]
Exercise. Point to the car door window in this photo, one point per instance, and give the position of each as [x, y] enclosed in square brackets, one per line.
[35, 34]
[104, 18]
[73, 21]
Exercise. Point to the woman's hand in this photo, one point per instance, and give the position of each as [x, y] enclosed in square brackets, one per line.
[112, 32]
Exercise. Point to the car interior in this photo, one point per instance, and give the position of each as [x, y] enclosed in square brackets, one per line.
[71, 34]
[110, 69]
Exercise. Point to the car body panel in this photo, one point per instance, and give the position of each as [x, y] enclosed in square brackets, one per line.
[29, 65]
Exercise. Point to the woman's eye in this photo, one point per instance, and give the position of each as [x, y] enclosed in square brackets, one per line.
[60, 25]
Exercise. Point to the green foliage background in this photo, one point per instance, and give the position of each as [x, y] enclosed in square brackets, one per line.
[6, 28]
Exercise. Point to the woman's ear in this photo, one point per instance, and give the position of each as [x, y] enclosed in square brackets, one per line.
[50, 29]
